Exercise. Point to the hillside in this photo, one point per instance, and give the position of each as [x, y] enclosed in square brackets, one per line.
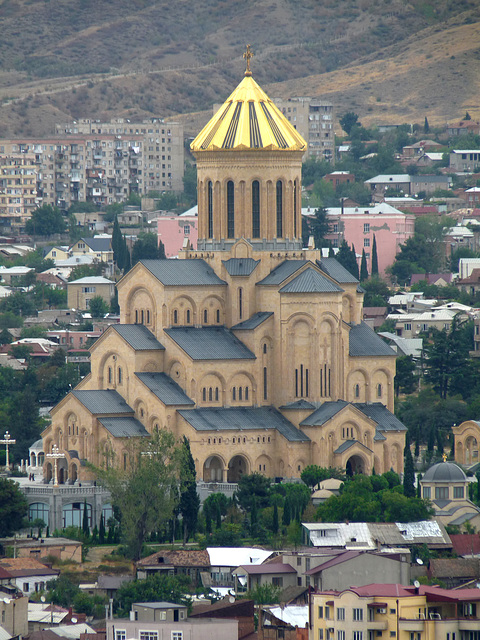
[388, 60]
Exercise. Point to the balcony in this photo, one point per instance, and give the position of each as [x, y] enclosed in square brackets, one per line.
[415, 624]
[470, 624]
[378, 625]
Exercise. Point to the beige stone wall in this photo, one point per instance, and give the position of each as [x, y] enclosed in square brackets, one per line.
[467, 436]
[78, 298]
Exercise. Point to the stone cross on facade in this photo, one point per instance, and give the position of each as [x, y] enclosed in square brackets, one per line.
[7, 440]
[55, 455]
[248, 55]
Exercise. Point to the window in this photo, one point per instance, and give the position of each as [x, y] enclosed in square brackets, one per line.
[327, 613]
[379, 390]
[265, 382]
[188, 316]
[177, 635]
[205, 316]
[240, 303]
[358, 635]
[175, 317]
[407, 326]
[427, 493]
[230, 209]
[295, 191]
[341, 613]
[441, 493]
[366, 227]
[279, 209]
[277, 582]
[320, 634]
[119, 375]
[341, 635]
[366, 242]
[255, 209]
[458, 492]
[26, 587]
[148, 635]
[186, 230]
[210, 208]
[357, 391]
[120, 634]
[335, 227]
[358, 615]
[218, 316]
[109, 374]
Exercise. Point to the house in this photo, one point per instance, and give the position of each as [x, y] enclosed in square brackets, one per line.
[278, 574]
[410, 325]
[374, 316]
[62, 548]
[466, 545]
[470, 284]
[396, 611]
[339, 177]
[473, 197]
[81, 291]
[224, 561]
[56, 253]
[12, 275]
[13, 613]
[191, 563]
[158, 612]
[453, 573]
[420, 148]
[397, 182]
[428, 184]
[91, 220]
[173, 231]
[437, 279]
[465, 160]
[29, 575]
[240, 610]
[464, 127]
[288, 622]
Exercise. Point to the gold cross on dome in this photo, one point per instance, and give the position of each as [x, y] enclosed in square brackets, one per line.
[248, 55]
[444, 457]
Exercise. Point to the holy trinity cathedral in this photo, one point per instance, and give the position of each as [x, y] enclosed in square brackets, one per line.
[251, 346]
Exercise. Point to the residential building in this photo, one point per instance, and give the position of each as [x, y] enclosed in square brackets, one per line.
[339, 177]
[81, 291]
[397, 182]
[174, 231]
[473, 197]
[235, 344]
[61, 548]
[465, 160]
[360, 225]
[464, 127]
[420, 148]
[191, 563]
[395, 611]
[277, 574]
[410, 325]
[28, 574]
[100, 247]
[428, 184]
[18, 191]
[241, 610]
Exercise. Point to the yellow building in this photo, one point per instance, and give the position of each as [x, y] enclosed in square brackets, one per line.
[395, 611]
[251, 346]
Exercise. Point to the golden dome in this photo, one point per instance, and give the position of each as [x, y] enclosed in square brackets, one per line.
[248, 120]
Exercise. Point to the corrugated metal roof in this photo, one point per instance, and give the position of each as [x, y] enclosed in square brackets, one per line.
[335, 270]
[103, 401]
[253, 322]
[242, 418]
[183, 272]
[378, 437]
[124, 427]
[310, 281]
[209, 343]
[98, 244]
[324, 413]
[282, 272]
[345, 445]
[240, 266]
[363, 341]
[138, 337]
[298, 404]
[166, 389]
[386, 421]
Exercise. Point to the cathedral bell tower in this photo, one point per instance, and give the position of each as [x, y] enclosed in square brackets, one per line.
[249, 160]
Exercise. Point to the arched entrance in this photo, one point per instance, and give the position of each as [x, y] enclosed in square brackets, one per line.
[73, 473]
[355, 465]
[237, 467]
[49, 473]
[213, 469]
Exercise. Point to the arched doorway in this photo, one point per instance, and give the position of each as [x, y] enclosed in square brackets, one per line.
[213, 469]
[355, 465]
[237, 467]
[49, 473]
[73, 473]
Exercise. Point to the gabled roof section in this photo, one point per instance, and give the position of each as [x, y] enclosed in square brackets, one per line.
[124, 427]
[242, 418]
[138, 337]
[98, 244]
[378, 412]
[166, 389]
[248, 120]
[282, 272]
[335, 270]
[103, 401]
[348, 444]
[363, 341]
[310, 281]
[298, 404]
[324, 413]
[180, 273]
[253, 322]
[209, 343]
[240, 266]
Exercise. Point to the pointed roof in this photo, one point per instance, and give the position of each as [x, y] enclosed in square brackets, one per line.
[248, 120]
[310, 281]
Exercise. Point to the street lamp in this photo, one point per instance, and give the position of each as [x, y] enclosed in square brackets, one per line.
[7, 440]
[55, 455]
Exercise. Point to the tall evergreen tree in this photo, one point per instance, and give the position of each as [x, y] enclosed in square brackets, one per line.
[286, 513]
[275, 519]
[419, 486]
[117, 244]
[363, 267]
[189, 500]
[374, 257]
[253, 516]
[85, 527]
[426, 126]
[101, 533]
[347, 258]
[408, 470]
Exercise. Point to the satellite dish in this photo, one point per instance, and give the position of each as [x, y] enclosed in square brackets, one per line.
[42, 598]
[419, 561]
[6, 600]
[231, 599]
[74, 621]
[416, 584]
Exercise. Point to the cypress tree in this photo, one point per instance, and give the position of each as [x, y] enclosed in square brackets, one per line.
[431, 440]
[208, 521]
[85, 527]
[331, 252]
[419, 487]
[253, 516]
[417, 447]
[101, 533]
[117, 243]
[478, 487]
[286, 513]
[408, 470]
[374, 257]
[355, 263]
[275, 519]
[189, 500]
[347, 258]
[426, 126]
[218, 515]
[363, 267]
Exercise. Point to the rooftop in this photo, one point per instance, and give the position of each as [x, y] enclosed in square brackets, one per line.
[166, 389]
[210, 343]
[182, 272]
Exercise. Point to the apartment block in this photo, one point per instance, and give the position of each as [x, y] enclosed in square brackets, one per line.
[313, 119]
[18, 191]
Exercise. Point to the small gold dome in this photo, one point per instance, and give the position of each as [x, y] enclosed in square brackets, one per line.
[248, 120]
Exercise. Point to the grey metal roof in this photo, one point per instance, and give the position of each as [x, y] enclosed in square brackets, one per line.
[333, 268]
[253, 322]
[124, 427]
[345, 445]
[310, 281]
[209, 343]
[282, 272]
[240, 266]
[179, 273]
[298, 404]
[378, 412]
[166, 389]
[98, 244]
[138, 337]
[242, 418]
[363, 341]
[378, 437]
[324, 413]
[103, 401]
[444, 472]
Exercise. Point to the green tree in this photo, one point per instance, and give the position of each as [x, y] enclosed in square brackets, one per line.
[408, 471]
[13, 507]
[147, 248]
[275, 519]
[426, 126]
[317, 226]
[85, 527]
[190, 182]
[347, 258]
[189, 501]
[117, 244]
[250, 486]
[101, 532]
[374, 257]
[98, 307]
[155, 588]
[363, 267]
[405, 379]
[348, 121]
[144, 492]
[264, 594]
[45, 221]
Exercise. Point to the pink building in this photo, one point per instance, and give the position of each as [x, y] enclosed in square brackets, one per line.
[173, 230]
[358, 226]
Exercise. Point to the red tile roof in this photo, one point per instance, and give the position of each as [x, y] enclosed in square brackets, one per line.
[466, 544]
